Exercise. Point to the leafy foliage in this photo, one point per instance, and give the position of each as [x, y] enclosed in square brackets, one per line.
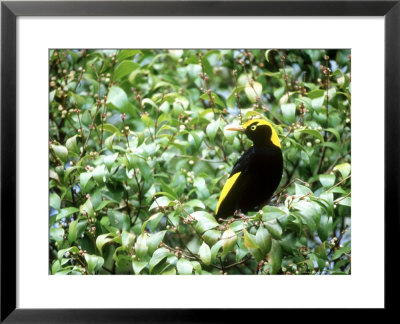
[139, 155]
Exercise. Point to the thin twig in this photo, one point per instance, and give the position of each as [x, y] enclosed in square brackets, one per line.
[339, 183]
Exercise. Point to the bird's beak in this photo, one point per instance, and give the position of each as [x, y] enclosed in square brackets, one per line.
[235, 128]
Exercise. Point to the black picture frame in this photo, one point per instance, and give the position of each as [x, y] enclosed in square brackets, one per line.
[10, 10]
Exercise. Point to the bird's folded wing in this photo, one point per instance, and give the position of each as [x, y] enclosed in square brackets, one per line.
[239, 168]
[243, 162]
[227, 187]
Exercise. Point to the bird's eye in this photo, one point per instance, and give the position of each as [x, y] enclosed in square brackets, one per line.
[253, 127]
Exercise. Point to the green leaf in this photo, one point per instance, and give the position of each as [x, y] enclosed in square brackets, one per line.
[339, 252]
[127, 239]
[317, 103]
[195, 140]
[124, 68]
[284, 99]
[111, 129]
[232, 97]
[257, 254]
[244, 78]
[334, 132]
[138, 266]
[333, 146]
[149, 102]
[251, 114]
[264, 240]
[61, 152]
[325, 227]
[344, 201]
[72, 145]
[169, 271]
[212, 129]
[109, 142]
[316, 94]
[217, 100]
[237, 226]
[271, 212]
[276, 75]
[73, 231]
[57, 234]
[141, 247]
[51, 95]
[84, 178]
[302, 190]
[250, 240]
[201, 188]
[101, 240]
[331, 92]
[197, 267]
[119, 99]
[159, 255]
[208, 69]
[99, 174]
[65, 212]
[211, 236]
[118, 219]
[72, 169]
[87, 208]
[306, 101]
[205, 253]
[327, 180]
[160, 202]
[154, 220]
[274, 257]
[309, 213]
[124, 54]
[205, 221]
[184, 267]
[228, 239]
[154, 241]
[253, 91]
[55, 266]
[195, 203]
[70, 250]
[215, 249]
[54, 176]
[55, 201]
[338, 190]
[320, 262]
[136, 162]
[274, 229]
[344, 169]
[311, 132]
[298, 222]
[320, 251]
[289, 112]
[109, 160]
[103, 204]
[94, 263]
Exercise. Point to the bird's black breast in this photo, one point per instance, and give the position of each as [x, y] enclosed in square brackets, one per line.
[261, 171]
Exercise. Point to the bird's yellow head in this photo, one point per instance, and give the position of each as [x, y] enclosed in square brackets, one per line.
[259, 131]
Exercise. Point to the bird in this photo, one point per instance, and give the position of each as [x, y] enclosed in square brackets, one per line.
[256, 174]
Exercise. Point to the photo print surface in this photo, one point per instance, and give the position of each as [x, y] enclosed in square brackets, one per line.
[199, 161]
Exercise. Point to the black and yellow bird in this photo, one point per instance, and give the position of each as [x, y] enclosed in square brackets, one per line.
[256, 174]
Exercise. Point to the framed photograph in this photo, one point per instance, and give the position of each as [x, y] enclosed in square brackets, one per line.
[197, 155]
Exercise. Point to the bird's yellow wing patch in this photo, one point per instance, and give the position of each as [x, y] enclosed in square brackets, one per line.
[227, 187]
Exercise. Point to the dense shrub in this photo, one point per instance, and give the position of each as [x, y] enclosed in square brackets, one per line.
[139, 155]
